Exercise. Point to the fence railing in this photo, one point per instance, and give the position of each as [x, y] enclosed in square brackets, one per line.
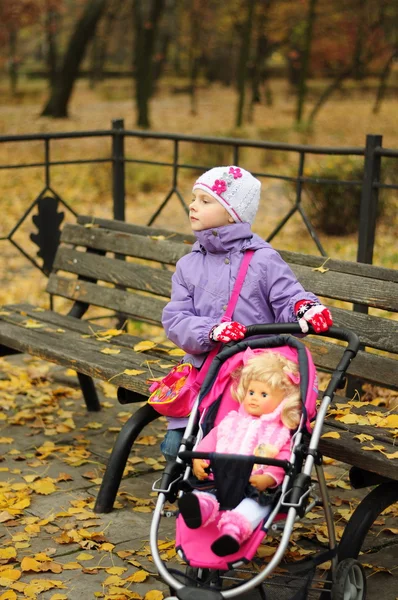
[370, 185]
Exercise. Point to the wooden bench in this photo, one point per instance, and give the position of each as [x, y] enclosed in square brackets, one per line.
[89, 271]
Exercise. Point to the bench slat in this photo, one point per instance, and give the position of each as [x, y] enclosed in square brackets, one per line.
[140, 307]
[348, 450]
[339, 266]
[112, 270]
[349, 288]
[375, 332]
[326, 355]
[140, 246]
[380, 370]
[340, 286]
[142, 230]
[72, 351]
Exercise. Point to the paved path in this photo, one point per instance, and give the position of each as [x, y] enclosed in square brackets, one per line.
[52, 456]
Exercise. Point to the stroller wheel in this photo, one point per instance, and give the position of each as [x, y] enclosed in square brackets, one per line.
[350, 581]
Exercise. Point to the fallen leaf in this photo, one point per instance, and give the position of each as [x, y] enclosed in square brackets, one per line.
[110, 351]
[143, 346]
[154, 595]
[138, 577]
[331, 434]
[363, 437]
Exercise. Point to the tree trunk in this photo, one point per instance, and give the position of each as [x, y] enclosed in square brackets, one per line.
[12, 61]
[306, 55]
[243, 60]
[57, 105]
[51, 49]
[384, 75]
[146, 27]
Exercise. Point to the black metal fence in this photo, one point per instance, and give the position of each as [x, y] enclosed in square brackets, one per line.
[48, 220]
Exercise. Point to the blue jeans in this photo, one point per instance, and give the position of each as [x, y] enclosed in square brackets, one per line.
[171, 443]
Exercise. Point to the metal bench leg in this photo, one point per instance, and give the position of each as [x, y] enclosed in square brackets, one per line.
[120, 453]
[361, 521]
[89, 392]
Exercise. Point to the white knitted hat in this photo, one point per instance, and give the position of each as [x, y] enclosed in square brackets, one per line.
[236, 189]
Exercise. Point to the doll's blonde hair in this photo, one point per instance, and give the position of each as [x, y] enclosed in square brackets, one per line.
[273, 369]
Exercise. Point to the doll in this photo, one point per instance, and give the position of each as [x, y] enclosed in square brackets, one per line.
[267, 389]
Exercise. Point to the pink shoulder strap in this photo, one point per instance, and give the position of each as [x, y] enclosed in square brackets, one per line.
[229, 312]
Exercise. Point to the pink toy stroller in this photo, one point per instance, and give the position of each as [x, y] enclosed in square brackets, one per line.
[212, 577]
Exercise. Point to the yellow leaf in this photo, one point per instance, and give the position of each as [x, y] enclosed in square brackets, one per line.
[114, 580]
[154, 595]
[351, 418]
[70, 372]
[110, 351]
[110, 333]
[36, 586]
[9, 575]
[9, 595]
[143, 346]
[84, 556]
[390, 421]
[71, 566]
[116, 570]
[44, 486]
[107, 547]
[6, 440]
[7, 553]
[374, 448]
[138, 576]
[30, 564]
[32, 324]
[391, 454]
[94, 425]
[331, 434]
[363, 437]
[132, 372]
[176, 352]
[142, 509]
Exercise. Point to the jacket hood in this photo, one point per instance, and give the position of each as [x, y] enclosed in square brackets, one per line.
[237, 237]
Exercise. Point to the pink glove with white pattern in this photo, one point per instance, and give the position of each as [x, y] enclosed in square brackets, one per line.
[313, 313]
[227, 332]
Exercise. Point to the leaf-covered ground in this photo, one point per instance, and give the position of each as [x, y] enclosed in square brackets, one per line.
[53, 454]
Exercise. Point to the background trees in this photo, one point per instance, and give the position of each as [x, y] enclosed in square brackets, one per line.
[242, 43]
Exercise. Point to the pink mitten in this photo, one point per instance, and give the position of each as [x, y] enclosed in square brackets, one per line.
[313, 313]
[228, 331]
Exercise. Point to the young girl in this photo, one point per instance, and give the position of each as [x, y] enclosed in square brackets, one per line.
[269, 394]
[224, 203]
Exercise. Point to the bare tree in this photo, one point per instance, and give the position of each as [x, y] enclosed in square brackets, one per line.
[61, 91]
[146, 21]
[244, 59]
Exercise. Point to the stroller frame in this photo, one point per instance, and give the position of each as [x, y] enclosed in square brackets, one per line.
[293, 498]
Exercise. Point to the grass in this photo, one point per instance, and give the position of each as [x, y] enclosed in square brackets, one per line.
[345, 121]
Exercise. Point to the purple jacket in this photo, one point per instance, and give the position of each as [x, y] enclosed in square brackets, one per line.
[204, 280]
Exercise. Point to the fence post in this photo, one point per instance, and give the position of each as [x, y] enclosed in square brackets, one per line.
[369, 200]
[118, 171]
[367, 225]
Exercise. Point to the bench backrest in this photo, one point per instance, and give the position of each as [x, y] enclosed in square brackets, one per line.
[139, 286]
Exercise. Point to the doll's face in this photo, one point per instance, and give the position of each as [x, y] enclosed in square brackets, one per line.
[260, 399]
[206, 212]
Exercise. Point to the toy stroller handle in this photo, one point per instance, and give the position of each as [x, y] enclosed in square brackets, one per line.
[274, 462]
[294, 328]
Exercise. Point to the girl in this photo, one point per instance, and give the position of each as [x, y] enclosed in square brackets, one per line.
[269, 395]
[224, 203]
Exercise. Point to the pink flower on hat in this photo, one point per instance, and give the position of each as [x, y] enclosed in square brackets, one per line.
[219, 186]
[236, 172]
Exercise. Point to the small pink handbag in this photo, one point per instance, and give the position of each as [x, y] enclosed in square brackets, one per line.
[176, 393]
